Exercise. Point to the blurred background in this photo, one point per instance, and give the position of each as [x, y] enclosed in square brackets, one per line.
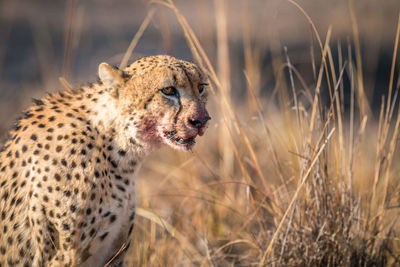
[221, 204]
[41, 41]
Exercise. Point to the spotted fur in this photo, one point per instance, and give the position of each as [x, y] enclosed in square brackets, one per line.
[67, 192]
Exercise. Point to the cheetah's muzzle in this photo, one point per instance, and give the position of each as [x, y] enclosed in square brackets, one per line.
[180, 141]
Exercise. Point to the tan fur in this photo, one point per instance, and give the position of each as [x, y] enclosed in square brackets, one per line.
[67, 194]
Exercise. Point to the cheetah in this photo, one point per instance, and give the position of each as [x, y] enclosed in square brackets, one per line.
[67, 170]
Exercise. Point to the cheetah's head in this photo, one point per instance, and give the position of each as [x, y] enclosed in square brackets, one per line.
[161, 100]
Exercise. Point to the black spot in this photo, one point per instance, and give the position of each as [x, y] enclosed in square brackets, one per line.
[21, 252]
[92, 232]
[103, 236]
[121, 188]
[66, 227]
[148, 101]
[121, 152]
[114, 164]
[19, 238]
[5, 195]
[37, 102]
[27, 115]
[58, 177]
[34, 137]
[83, 236]
[113, 218]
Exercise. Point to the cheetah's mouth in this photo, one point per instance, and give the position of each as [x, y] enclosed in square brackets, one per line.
[187, 142]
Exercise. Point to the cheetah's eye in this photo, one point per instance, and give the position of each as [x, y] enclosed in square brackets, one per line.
[202, 88]
[169, 91]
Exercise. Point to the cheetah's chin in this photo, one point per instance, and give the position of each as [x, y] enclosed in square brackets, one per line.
[177, 142]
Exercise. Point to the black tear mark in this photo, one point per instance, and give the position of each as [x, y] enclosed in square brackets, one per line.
[179, 100]
[179, 111]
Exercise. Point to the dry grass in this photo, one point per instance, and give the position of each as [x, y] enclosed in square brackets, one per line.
[284, 181]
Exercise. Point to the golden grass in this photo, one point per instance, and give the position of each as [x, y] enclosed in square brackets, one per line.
[304, 187]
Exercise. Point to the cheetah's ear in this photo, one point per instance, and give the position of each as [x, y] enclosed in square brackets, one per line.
[112, 77]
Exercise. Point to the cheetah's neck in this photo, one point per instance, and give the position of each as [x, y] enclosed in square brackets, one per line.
[101, 110]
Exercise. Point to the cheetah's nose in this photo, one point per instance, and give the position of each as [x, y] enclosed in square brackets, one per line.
[199, 122]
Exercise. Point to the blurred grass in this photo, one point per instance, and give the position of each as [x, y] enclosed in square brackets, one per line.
[303, 187]
[304, 175]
